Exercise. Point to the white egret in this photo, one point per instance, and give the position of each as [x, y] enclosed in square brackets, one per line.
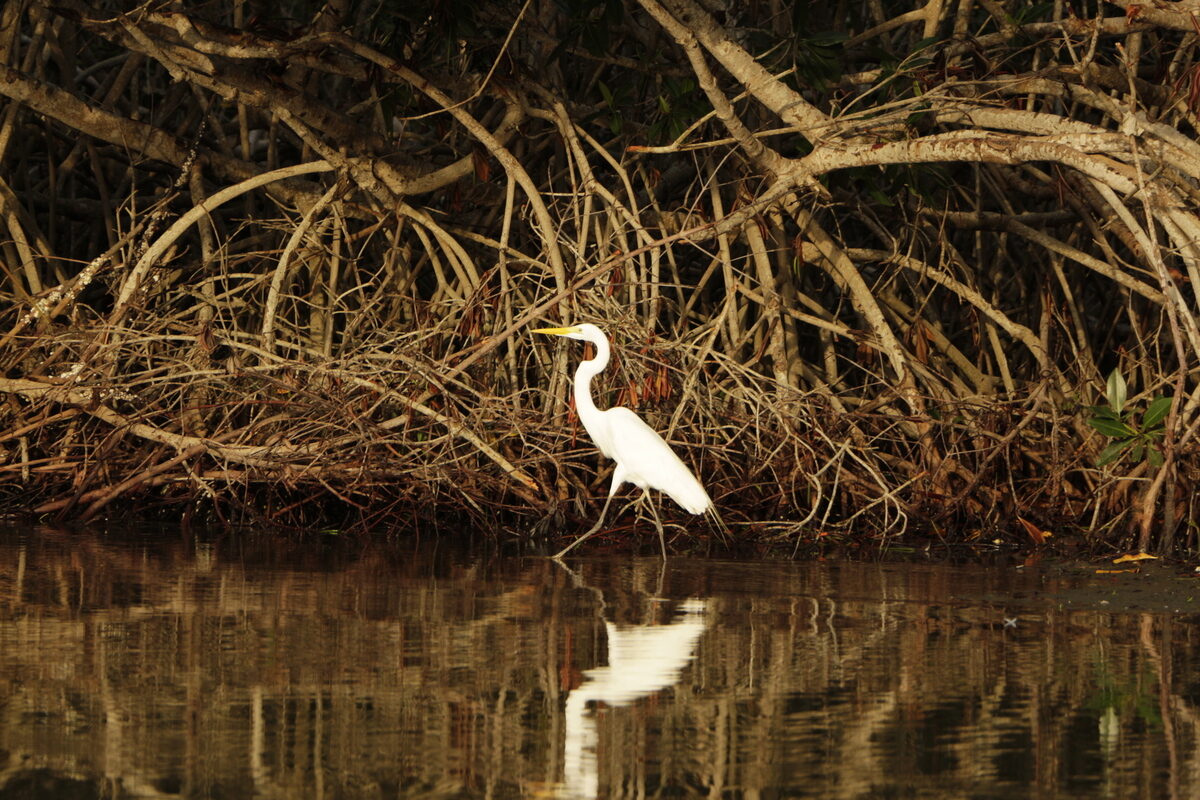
[643, 457]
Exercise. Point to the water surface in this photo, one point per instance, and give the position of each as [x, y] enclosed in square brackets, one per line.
[243, 666]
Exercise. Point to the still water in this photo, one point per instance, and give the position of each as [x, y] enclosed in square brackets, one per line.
[240, 666]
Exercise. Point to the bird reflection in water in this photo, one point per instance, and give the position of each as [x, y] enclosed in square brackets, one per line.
[642, 659]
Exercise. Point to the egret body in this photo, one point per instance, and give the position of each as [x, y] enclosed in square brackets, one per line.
[643, 458]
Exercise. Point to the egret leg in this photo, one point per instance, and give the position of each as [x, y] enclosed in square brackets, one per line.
[662, 539]
[589, 534]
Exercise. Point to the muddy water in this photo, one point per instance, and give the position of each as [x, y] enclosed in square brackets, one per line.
[242, 666]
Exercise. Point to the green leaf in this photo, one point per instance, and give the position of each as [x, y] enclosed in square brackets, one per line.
[1116, 392]
[1112, 427]
[1137, 452]
[1112, 452]
[1104, 412]
[1156, 412]
[1156, 457]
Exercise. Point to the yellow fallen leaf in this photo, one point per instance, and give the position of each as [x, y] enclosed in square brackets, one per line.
[1115, 571]
[1038, 535]
[1133, 557]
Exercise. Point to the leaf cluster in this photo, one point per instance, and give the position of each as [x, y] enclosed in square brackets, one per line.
[1140, 437]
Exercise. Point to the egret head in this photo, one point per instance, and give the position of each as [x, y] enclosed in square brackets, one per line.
[586, 332]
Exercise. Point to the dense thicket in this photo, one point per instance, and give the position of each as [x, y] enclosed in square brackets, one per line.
[873, 269]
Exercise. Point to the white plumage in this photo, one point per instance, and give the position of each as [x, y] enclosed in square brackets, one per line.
[645, 460]
[643, 457]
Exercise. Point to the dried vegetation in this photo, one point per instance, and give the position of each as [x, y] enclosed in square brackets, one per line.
[871, 273]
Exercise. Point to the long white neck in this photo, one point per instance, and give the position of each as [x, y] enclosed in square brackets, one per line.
[583, 378]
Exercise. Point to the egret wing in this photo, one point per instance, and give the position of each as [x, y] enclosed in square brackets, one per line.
[648, 461]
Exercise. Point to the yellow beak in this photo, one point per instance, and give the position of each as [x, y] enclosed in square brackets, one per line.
[555, 331]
